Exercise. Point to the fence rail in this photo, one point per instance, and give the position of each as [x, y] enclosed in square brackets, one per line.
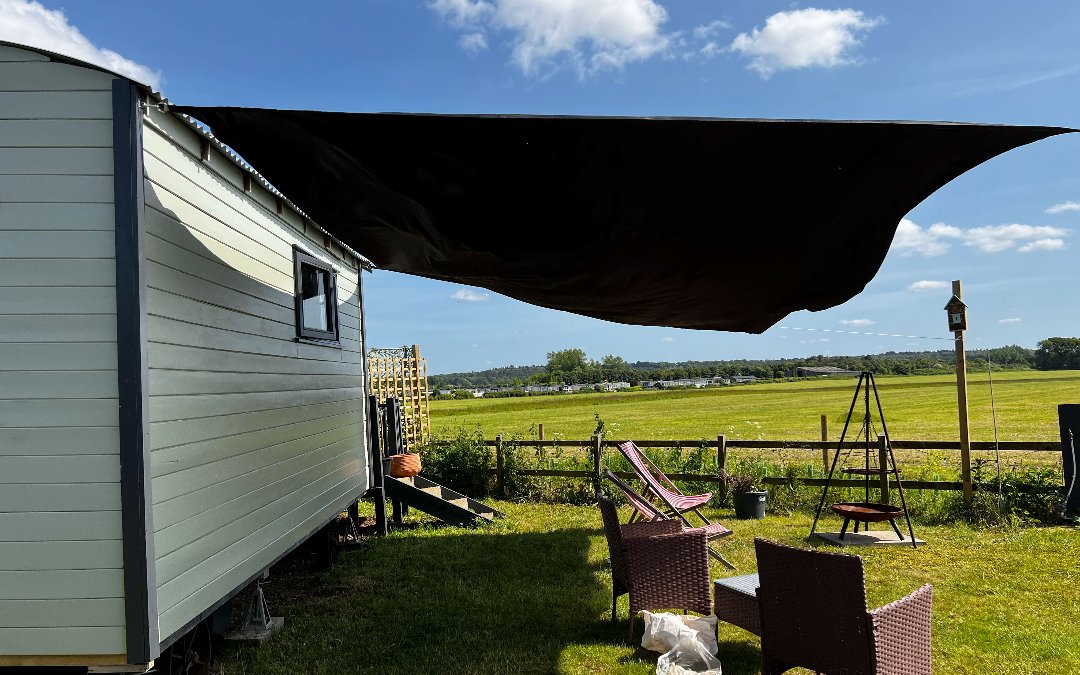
[1031, 446]
[596, 447]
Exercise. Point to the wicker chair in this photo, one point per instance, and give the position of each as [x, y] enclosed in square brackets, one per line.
[814, 615]
[660, 564]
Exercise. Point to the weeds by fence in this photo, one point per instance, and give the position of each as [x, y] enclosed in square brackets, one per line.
[569, 470]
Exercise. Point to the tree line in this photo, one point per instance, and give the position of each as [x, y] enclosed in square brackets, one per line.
[572, 366]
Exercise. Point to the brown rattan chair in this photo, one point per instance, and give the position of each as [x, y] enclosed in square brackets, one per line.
[814, 615]
[659, 563]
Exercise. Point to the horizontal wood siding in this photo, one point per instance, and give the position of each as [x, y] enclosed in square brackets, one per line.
[61, 577]
[255, 438]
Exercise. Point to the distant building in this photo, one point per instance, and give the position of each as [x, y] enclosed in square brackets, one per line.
[691, 382]
[824, 371]
[742, 379]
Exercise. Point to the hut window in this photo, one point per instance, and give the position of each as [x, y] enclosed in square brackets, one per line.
[316, 298]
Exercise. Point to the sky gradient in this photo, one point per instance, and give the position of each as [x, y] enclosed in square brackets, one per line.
[1007, 228]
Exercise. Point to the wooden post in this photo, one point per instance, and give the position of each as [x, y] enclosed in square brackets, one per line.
[598, 459]
[825, 437]
[499, 489]
[962, 405]
[540, 430]
[883, 467]
[721, 455]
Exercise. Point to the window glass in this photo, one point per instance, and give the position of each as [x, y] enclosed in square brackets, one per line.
[315, 295]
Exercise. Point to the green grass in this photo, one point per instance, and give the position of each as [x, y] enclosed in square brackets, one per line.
[531, 595]
[916, 407]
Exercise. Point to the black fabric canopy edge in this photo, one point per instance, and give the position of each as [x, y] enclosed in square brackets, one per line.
[684, 222]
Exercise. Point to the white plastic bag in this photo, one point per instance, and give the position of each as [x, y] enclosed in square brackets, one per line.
[689, 657]
[663, 631]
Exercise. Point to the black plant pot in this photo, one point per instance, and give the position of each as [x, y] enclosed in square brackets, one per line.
[749, 505]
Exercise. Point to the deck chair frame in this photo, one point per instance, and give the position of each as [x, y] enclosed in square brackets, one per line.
[651, 476]
[641, 505]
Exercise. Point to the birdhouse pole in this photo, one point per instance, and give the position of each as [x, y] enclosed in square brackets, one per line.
[962, 396]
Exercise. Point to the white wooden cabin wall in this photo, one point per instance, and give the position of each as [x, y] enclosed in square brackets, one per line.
[61, 577]
[255, 438]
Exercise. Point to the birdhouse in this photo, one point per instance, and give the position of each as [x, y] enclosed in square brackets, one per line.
[957, 312]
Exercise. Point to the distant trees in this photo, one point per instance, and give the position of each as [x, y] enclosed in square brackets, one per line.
[572, 366]
[1058, 353]
[566, 364]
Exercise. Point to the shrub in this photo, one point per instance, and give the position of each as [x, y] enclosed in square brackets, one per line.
[461, 462]
[1027, 495]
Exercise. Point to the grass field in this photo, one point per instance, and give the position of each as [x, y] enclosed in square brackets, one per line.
[916, 407]
[531, 594]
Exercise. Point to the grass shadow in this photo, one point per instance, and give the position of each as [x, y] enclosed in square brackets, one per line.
[441, 600]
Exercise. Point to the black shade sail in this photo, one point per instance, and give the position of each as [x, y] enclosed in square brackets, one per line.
[692, 223]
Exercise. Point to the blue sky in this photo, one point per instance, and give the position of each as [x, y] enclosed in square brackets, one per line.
[1008, 229]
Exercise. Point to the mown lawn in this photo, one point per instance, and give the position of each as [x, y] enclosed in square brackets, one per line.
[531, 595]
[916, 407]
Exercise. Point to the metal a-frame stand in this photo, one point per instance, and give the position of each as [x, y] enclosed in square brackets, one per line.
[867, 511]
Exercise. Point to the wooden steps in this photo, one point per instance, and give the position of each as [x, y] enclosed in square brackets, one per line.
[436, 500]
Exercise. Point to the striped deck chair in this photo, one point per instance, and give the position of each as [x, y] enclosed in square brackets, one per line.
[659, 487]
[644, 510]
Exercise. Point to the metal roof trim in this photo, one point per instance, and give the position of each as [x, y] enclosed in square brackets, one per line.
[235, 158]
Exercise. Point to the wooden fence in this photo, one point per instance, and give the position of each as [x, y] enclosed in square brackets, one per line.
[597, 447]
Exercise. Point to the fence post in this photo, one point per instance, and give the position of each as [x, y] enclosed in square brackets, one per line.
[883, 466]
[721, 456]
[499, 488]
[598, 460]
[540, 430]
[825, 437]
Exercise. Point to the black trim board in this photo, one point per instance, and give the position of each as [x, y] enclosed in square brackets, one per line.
[140, 584]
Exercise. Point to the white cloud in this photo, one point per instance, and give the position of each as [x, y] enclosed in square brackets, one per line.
[587, 36]
[997, 238]
[804, 38]
[814, 341]
[936, 240]
[1063, 207]
[473, 42]
[706, 31]
[461, 13]
[931, 241]
[592, 34]
[1012, 320]
[927, 285]
[469, 295]
[857, 322]
[1049, 244]
[709, 50]
[667, 339]
[28, 23]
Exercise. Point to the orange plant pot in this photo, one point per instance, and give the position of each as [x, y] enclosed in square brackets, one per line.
[403, 466]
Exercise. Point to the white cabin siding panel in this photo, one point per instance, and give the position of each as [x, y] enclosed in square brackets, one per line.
[33, 105]
[61, 578]
[255, 438]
